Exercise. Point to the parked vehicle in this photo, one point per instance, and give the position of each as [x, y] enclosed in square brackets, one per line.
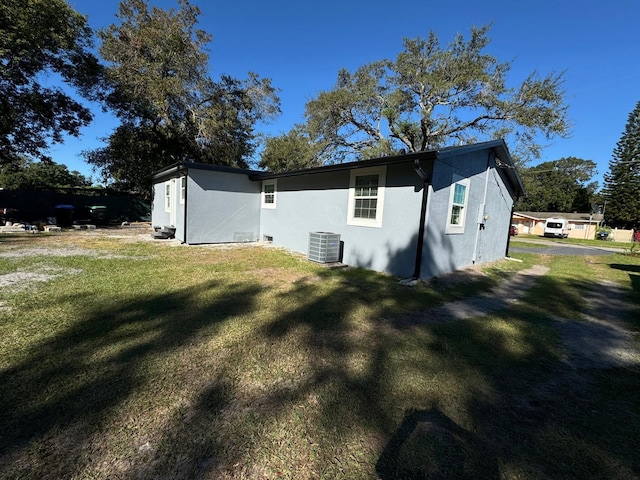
[556, 227]
[513, 230]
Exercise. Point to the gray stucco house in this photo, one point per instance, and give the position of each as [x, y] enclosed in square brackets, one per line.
[415, 215]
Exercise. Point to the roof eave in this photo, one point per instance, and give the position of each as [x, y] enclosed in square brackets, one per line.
[372, 162]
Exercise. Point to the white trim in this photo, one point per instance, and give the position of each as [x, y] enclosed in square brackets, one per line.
[167, 196]
[183, 189]
[172, 212]
[381, 171]
[457, 228]
[264, 196]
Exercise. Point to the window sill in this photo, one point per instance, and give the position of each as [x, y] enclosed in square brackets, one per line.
[364, 223]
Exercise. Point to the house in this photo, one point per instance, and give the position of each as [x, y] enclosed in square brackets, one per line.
[581, 225]
[415, 215]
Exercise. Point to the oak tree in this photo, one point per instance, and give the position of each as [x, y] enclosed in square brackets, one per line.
[41, 39]
[26, 174]
[169, 106]
[292, 151]
[563, 185]
[429, 97]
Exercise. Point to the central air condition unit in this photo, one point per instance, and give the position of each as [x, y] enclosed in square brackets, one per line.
[324, 247]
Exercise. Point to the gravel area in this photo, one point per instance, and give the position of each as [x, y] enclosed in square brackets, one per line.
[20, 280]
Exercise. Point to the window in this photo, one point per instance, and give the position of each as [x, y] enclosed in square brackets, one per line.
[183, 189]
[366, 196]
[167, 196]
[269, 188]
[458, 204]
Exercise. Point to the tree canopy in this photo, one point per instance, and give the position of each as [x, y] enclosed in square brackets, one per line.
[27, 174]
[40, 38]
[559, 186]
[169, 106]
[622, 182]
[293, 151]
[430, 97]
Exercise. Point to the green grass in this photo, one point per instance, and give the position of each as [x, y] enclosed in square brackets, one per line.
[577, 241]
[144, 360]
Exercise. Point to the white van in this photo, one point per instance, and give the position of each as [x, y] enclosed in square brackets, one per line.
[556, 227]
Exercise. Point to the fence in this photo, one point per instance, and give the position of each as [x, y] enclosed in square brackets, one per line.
[621, 235]
[37, 205]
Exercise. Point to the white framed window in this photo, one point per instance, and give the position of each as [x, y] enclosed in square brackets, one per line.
[458, 198]
[269, 191]
[183, 189]
[167, 196]
[366, 196]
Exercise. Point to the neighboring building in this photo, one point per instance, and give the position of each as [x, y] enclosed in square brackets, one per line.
[581, 225]
[416, 215]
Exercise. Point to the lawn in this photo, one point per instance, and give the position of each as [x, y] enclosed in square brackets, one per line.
[578, 241]
[136, 359]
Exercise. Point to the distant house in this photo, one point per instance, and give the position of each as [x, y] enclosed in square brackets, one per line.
[581, 225]
[416, 215]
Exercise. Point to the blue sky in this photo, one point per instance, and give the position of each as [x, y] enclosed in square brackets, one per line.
[301, 46]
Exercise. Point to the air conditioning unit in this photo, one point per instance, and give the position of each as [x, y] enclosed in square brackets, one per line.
[324, 247]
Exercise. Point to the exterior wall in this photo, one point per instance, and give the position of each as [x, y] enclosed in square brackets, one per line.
[222, 207]
[527, 225]
[539, 227]
[446, 252]
[226, 206]
[159, 216]
[319, 202]
[582, 230]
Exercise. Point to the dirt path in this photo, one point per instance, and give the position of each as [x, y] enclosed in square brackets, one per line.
[600, 339]
[597, 339]
[498, 298]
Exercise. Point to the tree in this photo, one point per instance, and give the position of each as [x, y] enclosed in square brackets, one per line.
[40, 38]
[293, 151]
[169, 106]
[431, 97]
[26, 174]
[622, 182]
[559, 186]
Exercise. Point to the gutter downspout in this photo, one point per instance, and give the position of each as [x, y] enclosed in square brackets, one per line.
[513, 209]
[423, 213]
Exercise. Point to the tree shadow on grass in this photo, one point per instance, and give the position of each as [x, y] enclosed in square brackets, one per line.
[57, 401]
[428, 444]
[340, 390]
[634, 276]
[486, 398]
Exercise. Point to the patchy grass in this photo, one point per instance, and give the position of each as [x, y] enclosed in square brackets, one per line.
[157, 361]
[577, 241]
